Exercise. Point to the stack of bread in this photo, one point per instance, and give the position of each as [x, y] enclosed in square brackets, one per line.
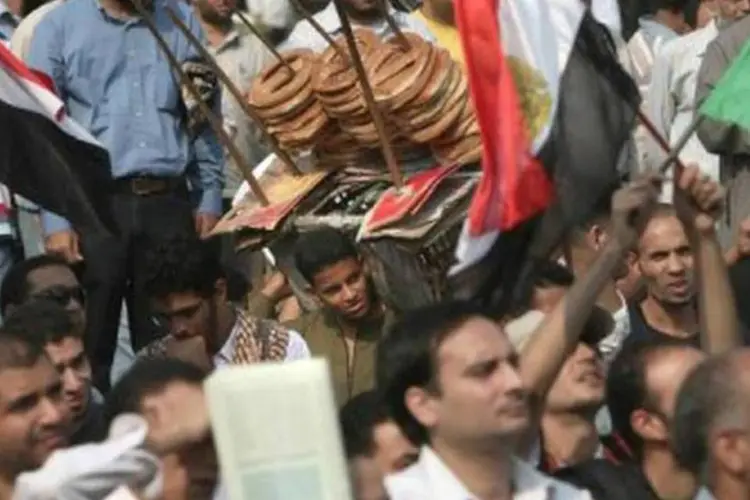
[285, 101]
[320, 106]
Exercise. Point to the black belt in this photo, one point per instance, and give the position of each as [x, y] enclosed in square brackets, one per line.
[147, 185]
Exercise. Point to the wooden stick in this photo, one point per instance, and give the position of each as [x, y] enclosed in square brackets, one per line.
[377, 117]
[263, 39]
[322, 32]
[394, 27]
[681, 142]
[210, 116]
[663, 144]
[237, 94]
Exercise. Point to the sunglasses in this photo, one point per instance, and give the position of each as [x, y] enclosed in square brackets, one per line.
[62, 295]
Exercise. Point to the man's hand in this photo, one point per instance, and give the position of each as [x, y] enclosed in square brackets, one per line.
[65, 244]
[191, 350]
[699, 200]
[176, 418]
[276, 287]
[743, 239]
[629, 202]
[204, 224]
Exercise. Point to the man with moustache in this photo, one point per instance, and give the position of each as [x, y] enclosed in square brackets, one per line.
[115, 81]
[34, 419]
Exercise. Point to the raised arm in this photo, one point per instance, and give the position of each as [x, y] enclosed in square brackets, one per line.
[699, 202]
[558, 335]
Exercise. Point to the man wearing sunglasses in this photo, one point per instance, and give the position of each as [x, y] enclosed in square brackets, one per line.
[43, 291]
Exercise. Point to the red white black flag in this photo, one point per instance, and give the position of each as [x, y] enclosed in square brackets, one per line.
[555, 111]
[47, 157]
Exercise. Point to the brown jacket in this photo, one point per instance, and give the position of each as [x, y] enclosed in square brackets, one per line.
[324, 337]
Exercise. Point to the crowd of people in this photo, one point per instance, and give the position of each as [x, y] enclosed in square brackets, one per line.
[619, 372]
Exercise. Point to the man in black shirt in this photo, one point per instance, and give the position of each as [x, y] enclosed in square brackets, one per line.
[665, 259]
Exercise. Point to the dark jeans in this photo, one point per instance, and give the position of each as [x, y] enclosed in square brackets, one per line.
[113, 269]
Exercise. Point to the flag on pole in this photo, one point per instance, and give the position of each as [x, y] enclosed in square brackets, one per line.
[555, 111]
[728, 102]
[47, 157]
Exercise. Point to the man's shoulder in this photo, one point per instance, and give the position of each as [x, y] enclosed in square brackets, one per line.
[305, 323]
[66, 11]
[731, 39]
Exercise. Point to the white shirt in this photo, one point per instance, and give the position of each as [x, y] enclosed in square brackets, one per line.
[670, 101]
[430, 479]
[305, 36]
[610, 345]
[296, 349]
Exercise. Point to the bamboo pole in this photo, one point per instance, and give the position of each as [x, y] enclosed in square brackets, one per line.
[263, 39]
[394, 27]
[210, 116]
[377, 117]
[236, 93]
[321, 31]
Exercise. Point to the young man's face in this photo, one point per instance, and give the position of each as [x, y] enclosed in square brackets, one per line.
[34, 419]
[187, 315]
[579, 387]
[343, 287]
[60, 285]
[481, 396]
[216, 11]
[69, 359]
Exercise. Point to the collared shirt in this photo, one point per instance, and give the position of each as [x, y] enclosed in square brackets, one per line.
[305, 36]
[116, 82]
[242, 56]
[670, 101]
[431, 479]
[20, 43]
[296, 348]
[644, 44]
[8, 22]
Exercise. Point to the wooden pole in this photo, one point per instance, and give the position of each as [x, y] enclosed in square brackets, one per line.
[236, 93]
[394, 27]
[263, 39]
[377, 117]
[213, 120]
[322, 32]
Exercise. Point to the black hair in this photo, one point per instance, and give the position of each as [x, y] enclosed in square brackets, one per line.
[358, 419]
[672, 5]
[546, 274]
[145, 378]
[19, 350]
[406, 357]
[182, 263]
[627, 390]
[15, 287]
[711, 396]
[43, 320]
[318, 249]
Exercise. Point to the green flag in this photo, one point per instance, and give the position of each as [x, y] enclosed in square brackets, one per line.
[730, 99]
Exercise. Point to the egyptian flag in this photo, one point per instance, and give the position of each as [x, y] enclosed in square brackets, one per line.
[556, 112]
[47, 157]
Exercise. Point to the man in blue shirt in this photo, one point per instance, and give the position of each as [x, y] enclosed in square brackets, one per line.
[116, 82]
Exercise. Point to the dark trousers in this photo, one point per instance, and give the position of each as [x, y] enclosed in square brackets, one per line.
[113, 270]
